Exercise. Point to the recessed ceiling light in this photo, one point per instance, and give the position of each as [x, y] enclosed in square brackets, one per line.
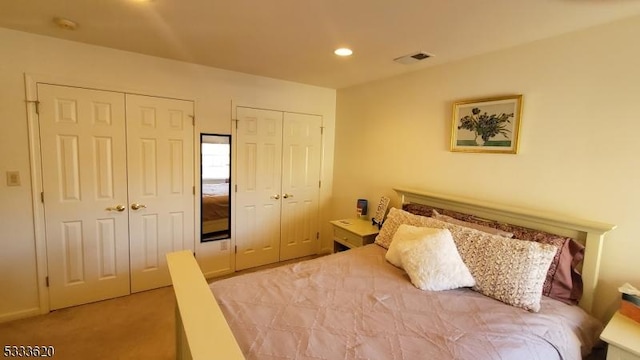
[343, 52]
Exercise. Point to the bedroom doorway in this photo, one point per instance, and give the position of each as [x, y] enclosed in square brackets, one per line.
[278, 186]
[117, 190]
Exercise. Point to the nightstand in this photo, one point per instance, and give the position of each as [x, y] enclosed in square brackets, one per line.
[623, 336]
[350, 233]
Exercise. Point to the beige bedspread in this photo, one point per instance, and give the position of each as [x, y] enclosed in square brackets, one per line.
[355, 305]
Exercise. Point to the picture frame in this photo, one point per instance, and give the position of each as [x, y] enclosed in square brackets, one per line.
[381, 211]
[489, 125]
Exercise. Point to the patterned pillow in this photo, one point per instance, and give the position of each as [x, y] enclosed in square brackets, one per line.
[394, 219]
[433, 262]
[418, 209]
[487, 229]
[510, 270]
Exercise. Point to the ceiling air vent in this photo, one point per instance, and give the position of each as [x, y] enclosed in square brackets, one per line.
[412, 58]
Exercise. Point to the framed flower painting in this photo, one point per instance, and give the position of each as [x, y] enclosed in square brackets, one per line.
[487, 125]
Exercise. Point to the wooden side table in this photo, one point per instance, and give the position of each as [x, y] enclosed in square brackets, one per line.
[350, 233]
[623, 336]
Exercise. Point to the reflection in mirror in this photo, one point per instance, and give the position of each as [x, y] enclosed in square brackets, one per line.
[215, 208]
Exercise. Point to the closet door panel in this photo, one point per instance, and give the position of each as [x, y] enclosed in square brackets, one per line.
[259, 164]
[84, 177]
[301, 145]
[160, 169]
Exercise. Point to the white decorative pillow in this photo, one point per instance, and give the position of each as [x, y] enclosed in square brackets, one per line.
[433, 262]
[404, 238]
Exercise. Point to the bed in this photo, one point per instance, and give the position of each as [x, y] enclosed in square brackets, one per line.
[356, 304]
[215, 208]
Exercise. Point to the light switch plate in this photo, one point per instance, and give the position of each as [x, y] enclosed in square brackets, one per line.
[13, 178]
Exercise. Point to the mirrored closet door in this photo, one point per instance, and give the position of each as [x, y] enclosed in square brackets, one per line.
[215, 183]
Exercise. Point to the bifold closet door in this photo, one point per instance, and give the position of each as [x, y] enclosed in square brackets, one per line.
[161, 180]
[278, 174]
[84, 175]
[117, 177]
[301, 148]
[258, 179]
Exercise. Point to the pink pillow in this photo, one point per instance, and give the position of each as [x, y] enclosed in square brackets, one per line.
[566, 283]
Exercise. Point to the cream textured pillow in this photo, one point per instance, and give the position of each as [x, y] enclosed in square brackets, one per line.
[404, 238]
[433, 262]
[510, 270]
[396, 218]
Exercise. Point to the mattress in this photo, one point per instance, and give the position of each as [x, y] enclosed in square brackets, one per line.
[355, 305]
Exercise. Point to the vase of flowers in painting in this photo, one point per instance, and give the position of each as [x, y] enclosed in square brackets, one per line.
[486, 126]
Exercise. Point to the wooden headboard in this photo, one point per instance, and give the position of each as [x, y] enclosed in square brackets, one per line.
[589, 233]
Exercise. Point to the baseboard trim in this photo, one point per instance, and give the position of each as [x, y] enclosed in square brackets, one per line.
[217, 273]
[19, 315]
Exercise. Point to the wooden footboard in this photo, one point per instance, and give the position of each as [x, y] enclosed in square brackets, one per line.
[201, 329]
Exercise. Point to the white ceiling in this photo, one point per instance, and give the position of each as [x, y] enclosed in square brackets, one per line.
[294, 39]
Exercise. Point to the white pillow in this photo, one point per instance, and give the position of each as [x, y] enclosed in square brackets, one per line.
[403, 239]
[433, 263]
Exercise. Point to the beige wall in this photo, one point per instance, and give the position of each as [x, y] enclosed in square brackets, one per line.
[579, 149]
[71, 63]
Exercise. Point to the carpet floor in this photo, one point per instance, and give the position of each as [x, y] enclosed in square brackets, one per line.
[138, 326]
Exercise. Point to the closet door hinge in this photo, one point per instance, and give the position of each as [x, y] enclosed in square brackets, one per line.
[236, 249]
[42, 197]
[317, 235]
[46, 281]
[319, 183]
[321, 130]
[236, 188]
[37, 104]
[194, 190]
[193, 120]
